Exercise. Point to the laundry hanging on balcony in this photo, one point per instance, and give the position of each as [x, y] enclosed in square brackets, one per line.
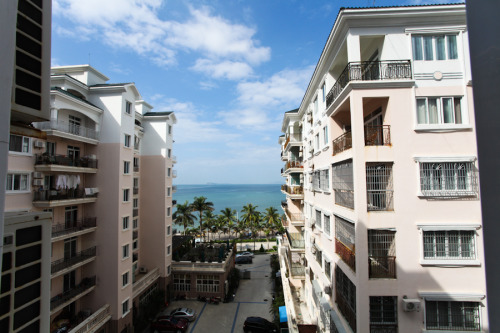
[67, 181]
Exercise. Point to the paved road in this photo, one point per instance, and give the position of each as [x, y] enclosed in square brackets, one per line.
[253, 298]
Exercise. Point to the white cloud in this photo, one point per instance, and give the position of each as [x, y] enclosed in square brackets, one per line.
[229, 49]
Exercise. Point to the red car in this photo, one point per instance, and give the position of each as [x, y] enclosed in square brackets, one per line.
[169, 324]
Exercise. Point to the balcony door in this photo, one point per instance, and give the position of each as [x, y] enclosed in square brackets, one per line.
[73, 153]
[70, 248]
[70, 216]
[374, 132]
[74, 125]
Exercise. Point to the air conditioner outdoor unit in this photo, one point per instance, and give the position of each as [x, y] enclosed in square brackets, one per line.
[328, 290]
[37, 174]
[411, 304]
[143, 270]
[37, 182]
[38, 144]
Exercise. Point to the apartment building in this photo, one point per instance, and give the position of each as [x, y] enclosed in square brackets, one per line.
[102, 166]
[383, 210]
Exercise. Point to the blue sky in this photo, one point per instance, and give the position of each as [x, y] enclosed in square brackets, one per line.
[228, 69]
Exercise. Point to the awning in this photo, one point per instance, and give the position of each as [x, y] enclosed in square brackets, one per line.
[283, 318]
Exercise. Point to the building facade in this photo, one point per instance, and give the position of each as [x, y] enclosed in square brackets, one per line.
[383, 207]
[100, 166]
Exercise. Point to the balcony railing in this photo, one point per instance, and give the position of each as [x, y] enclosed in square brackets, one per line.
[65, 127]
[135, 257]
[378, 135]
[82, 162]
[174, 202]
[284, 204]
[81, 256]
[64, 297]
[346, 254]
[135, 212]
[284, 221]
[293, 189]
[136, 168]
[94, 321]
[71, 227]
[297, 270]
[296, 240]
[174, 173]
[66, 194]
[382, 267]
[344, 198]
[295, 137]
[174, 188]
[293, 165]
[369, 71]
[135, 190]
[295, 217]
[174, 159]
[346, 310]
[387, 328]
[135, 234]
[342, 143]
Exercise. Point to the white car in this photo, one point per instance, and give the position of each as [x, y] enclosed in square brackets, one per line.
[246, 254]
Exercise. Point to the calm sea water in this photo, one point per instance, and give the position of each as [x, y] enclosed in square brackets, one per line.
[233, 196]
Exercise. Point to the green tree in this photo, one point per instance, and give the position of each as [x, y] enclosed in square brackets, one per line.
[184, 216]
[210, 220]
[200, 205]
[229, 217]
[271, 221]
[251, 219]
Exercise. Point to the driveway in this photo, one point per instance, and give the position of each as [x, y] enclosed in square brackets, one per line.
[253, 298]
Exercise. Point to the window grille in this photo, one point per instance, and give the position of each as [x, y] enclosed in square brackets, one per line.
[328, 269]
[452, 316]
[449, 244]
[379, 186]
[381, 254]
[343, 184]
[182, 282]
[383, 314]
[318, 218]
[207, 283]
[326, 224]
[319, 257]
[345, 297]
[345, 232]
[448, 179]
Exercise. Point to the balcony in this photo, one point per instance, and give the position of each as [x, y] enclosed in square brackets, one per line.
[135, 212]
[374, 136]
[94, 322]
[136, 168]
[60, 301]
[284, 157]
[346, 254]
[346, 310]
[293, 166]
[174, 159]
[284, 222]
[62, 163]
[296, 219]
[174, 188]
[382, 267]
[294, 139]
[135, 234]
[284, 204]
[342, 143]
[55, 198]
[294, 191]
[369, 71]
[85, 225]
[296, 240]
[174, 173]
[174, 202]
[69, 131]
[62, 265]
[135, 190]
[143, 281]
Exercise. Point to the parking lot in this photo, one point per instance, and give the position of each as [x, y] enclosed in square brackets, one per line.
[253, 298]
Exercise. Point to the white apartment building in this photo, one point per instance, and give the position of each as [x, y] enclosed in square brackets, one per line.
[383, 210]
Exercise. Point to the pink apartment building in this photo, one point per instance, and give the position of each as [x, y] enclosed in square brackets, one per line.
[384, 230]
[102, 166]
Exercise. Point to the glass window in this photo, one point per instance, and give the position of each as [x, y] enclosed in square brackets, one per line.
[383, 311]
[448, 179]
[417, 48]
[124, 279]
[125, 251]
[125, 309]
[126, 167]
[126, 195]
[17, 182]
[439, 110]
[127, 140]
[439, 47]
[449, 244]
[452, 316]
[452, 46]
[20, 144]
[125, 222]
[128, 107]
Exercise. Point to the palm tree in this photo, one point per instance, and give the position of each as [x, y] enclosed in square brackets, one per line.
[271, 221]
[210, 220]
[184, 216]
[229, 218]
[220, 225]
[200, 205]
[251, 219]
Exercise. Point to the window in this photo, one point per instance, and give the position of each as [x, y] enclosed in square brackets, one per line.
[169, 153]
[125, 308]
[135, 223]
[319, 256]
[168, 250]
[169, 129]
[126, 195]
[125, 279]
[128, 107]
[318, 218]
[168, 230]
[17, 182]
[50, 148]
[207, 283]
[345, 241]
[441, 47]
[328, 269]
[383, 313]
[135, 203]
[127, 140]
[126, 167]
[168, 211]
[135, 245]
[74, 124]
[449, 244]
[343, 184]
[439, 110]
[20, 144]
[323, 92]
[169, 270]
[379, 187]
[345, 292]
[316, 142]
[125, 222]
[448, 179]
[136, 182]
[169, 191]
[316, 105]
[381, 254]
[136, 164]
[169, 171]
[325, 135]
[452, 316]
[326, 224]
[137, 142]
[182, 282]
[125, 251]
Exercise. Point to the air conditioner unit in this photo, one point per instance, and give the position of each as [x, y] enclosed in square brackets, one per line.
[37, 174]
[143, 270]
[38, 144]
[328, 290]
[37, 182]
[411, 304]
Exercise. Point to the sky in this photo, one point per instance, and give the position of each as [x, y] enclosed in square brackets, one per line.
[229, 69]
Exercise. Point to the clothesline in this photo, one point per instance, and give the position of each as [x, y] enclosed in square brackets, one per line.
[67, 181]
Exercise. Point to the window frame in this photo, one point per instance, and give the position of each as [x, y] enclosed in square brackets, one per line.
[126, 195]
[26, 142]
[125, 223]
[13, 175]
[125, 279]
[125, 251]
[440, 124]
[126, 140]
[434, 45]
[128, 107]
[126, 167]
[125, 307]
[449, 300]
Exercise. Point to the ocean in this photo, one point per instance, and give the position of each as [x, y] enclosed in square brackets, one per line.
[233, 196]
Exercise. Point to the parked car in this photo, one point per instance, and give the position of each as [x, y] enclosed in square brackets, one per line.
[246, 253]
[243, 260]
[258, 324]
[169, 324]
[185, 313]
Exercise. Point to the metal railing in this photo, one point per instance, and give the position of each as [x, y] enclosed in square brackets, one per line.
[295, 137]
[136, 168]
[174, 159]
[174, 173]
[297, 270]
[293, 164]
[83, 162]
[345, 253]
[65, 127]
[378, 135]
[385, 328]
[295, 239]
[66, 194]
[382, 267]
[174, 188]
[67, 228]
[292, 189]
[369, 71]
[94, 321]
[296, 217]
[64, 297]
[342, 143]
[63, 263]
